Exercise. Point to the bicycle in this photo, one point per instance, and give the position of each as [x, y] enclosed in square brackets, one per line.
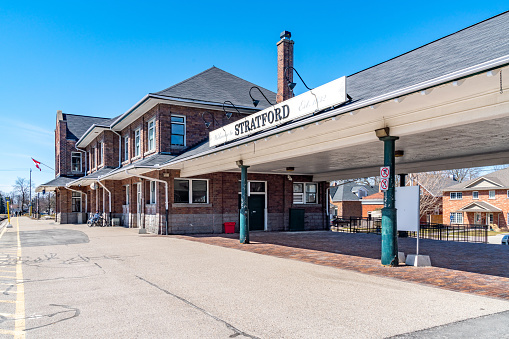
[99, 222]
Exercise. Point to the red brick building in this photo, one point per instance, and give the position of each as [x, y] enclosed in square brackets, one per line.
[113, 166]
[372, 205]
[484, 200]
[346, 198]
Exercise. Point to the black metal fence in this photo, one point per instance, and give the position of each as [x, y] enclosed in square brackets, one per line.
[454, 232]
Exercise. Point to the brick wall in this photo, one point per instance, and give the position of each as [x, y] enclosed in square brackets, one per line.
[349, 208]
[370, 208]
[501, 201]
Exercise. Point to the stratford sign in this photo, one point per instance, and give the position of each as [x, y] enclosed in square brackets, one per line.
[315, 100]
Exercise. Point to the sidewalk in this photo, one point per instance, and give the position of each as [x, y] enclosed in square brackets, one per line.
[480, 269]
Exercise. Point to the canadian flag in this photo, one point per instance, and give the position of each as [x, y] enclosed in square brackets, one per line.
[37, 163]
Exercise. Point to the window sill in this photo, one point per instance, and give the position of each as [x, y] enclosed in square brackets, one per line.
[177, 205]
[149, 152]
[125, 162]
[136, 158]
[307, 205]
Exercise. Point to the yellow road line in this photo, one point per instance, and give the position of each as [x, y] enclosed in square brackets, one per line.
[7, 276]
[7, 271]
[19, 323]
[8, 301]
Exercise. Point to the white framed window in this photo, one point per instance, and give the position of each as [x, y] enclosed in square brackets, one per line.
[457, 218]
[126, 148]
[456, 195]
[127, 194]
[492, 194]
[152, 135]
[191, 191]
[305, 193]
[477, 218]
[92, 157]
[137, 143]
[152, 192]
[76, 202]
[178, 130]
[75, 161]
[475, 195]
[489, 218]
[101, 153]
[508, 193]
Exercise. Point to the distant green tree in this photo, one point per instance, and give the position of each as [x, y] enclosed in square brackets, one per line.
[3, 208]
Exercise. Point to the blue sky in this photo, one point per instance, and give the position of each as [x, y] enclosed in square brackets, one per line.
[100, 58]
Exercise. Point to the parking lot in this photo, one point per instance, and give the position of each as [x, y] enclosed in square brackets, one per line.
[112, 282]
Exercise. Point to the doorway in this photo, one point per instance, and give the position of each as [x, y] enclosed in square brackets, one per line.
[257, 203]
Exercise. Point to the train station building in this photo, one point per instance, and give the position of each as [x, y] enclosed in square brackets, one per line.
[173, 163]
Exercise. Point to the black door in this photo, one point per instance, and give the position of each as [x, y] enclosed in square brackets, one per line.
[256, 212]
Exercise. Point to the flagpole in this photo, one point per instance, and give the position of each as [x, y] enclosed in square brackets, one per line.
[30, 189]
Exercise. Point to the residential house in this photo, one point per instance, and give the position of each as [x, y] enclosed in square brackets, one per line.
[346, 198]
[484, 200]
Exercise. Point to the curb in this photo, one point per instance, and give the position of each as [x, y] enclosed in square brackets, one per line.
[3, 224]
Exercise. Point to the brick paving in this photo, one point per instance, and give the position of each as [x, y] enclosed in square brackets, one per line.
[480, 269]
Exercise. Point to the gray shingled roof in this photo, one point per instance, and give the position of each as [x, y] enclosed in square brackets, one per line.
[479, 206]
[156, 159]
[216, 85]
[96, 174]
[473, 45]
[345, 192]
[500, 177]
[58, 182]
[77, 125]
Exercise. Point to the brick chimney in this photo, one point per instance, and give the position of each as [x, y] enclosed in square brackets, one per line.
[284, 61]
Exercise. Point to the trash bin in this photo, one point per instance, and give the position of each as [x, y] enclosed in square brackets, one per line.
[229, 227]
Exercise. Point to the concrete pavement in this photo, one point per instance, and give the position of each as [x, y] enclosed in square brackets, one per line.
[82, 282]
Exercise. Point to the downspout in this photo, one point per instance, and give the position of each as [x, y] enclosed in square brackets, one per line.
[109, 194]
[119, 148]
[165, 196]
[86, 198]
[85, 157]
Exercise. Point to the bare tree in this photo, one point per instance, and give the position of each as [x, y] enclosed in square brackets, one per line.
[22, 190]
[463, 174]
[431, 184]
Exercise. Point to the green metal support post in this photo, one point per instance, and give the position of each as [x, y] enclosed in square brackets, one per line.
[389, 225]
[244, 207]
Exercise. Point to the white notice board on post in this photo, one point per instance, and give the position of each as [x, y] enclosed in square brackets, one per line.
[408, 206]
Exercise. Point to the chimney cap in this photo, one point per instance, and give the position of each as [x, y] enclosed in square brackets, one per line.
[285, 35]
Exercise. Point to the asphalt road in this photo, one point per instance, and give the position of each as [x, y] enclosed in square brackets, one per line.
[80, 282]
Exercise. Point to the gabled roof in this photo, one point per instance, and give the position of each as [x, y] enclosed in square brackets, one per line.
[498, 179]
[479, 206]
[376, 196]
[77, 125]
[345, 192]
[216, 85]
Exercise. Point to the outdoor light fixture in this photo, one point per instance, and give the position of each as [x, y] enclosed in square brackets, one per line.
[239, 163]
[290, 177]
[290, 169]
[208, 123]
[382, 132]
[399, 153]
[292, 85]
[229, 114]
[256, 102]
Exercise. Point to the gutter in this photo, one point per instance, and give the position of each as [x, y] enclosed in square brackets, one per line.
[464, 73]
[166, 193]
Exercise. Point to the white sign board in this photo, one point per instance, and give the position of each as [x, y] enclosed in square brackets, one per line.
[317, 99]
[384, 172]
[384, 184]
[407, 206]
